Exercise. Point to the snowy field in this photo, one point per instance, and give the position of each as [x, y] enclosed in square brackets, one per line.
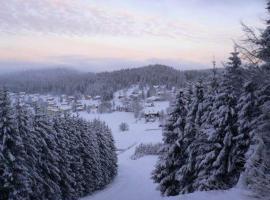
[133, 181]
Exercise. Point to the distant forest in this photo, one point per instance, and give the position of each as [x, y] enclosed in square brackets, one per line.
[71, 82]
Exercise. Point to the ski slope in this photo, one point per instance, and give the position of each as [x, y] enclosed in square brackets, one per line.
[133, 181]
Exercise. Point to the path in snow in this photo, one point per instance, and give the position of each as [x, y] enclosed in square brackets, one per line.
[133, 181]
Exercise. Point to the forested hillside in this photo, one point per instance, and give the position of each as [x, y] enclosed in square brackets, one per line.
[63, 81]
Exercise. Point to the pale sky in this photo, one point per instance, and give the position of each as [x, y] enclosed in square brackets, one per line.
[98, 35]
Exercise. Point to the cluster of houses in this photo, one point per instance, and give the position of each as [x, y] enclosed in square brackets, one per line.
[129, 100]
[67, 104]
[59, 104]
[146, 97]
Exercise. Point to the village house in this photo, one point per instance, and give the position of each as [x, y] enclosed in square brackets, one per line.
[151, 115]
[97, 97]
[87, 97]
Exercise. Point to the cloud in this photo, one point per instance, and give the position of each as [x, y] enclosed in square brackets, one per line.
[67, 17]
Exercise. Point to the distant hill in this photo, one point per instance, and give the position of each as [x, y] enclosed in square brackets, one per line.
[66, 81]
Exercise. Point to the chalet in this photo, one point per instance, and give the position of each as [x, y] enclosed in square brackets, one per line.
[70, 98]
[153, 98]
[87, 97]
[97, 98]
[150, 104]
[135, 92]
[80, 107]
[65, 108]
[151, 115]
[50, 99]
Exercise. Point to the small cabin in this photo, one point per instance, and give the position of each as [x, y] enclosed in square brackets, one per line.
[97, 98]
[151, 115]
[87, 97]
[153, 98]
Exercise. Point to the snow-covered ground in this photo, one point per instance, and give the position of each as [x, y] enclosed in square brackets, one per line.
[133, 181]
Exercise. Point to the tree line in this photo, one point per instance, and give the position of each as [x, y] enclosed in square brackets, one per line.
[60, 157]
[70, 82]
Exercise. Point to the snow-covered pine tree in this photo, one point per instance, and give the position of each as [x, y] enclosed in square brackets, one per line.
[257, 168]
[108, 157]
[248, 113]
[233, 79]
[66, 183]
[218, 158]
[188, 93]
[24, 117]
[186, 174]
[48, 157]
[69, 127]
[172, 149]
[257, 172]
[220, 169]
[203, 145]
[263, 53]
[14, 173]
[89, 154]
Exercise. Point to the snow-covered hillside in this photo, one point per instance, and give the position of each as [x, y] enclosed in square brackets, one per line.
[133, 181]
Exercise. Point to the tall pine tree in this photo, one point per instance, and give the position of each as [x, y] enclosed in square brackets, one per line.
[186, 173]
[257, 172]
[14, 173]
[48, 157]
[172, 150]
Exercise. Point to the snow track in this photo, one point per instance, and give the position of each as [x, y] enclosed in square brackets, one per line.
[133, 181]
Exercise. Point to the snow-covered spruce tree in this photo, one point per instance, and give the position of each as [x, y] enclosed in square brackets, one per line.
[172, 149]
[233, 79]
[76, 152]
[89, 154]
[48, 157]
[257, 168]
[203, 146]
[186, 174]
[263, 53]
[67, 182]
[24, 117]
[257, 172]
[221, 166]
[188, 93]
[248, 113]
[14, 173]
[108, 157]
